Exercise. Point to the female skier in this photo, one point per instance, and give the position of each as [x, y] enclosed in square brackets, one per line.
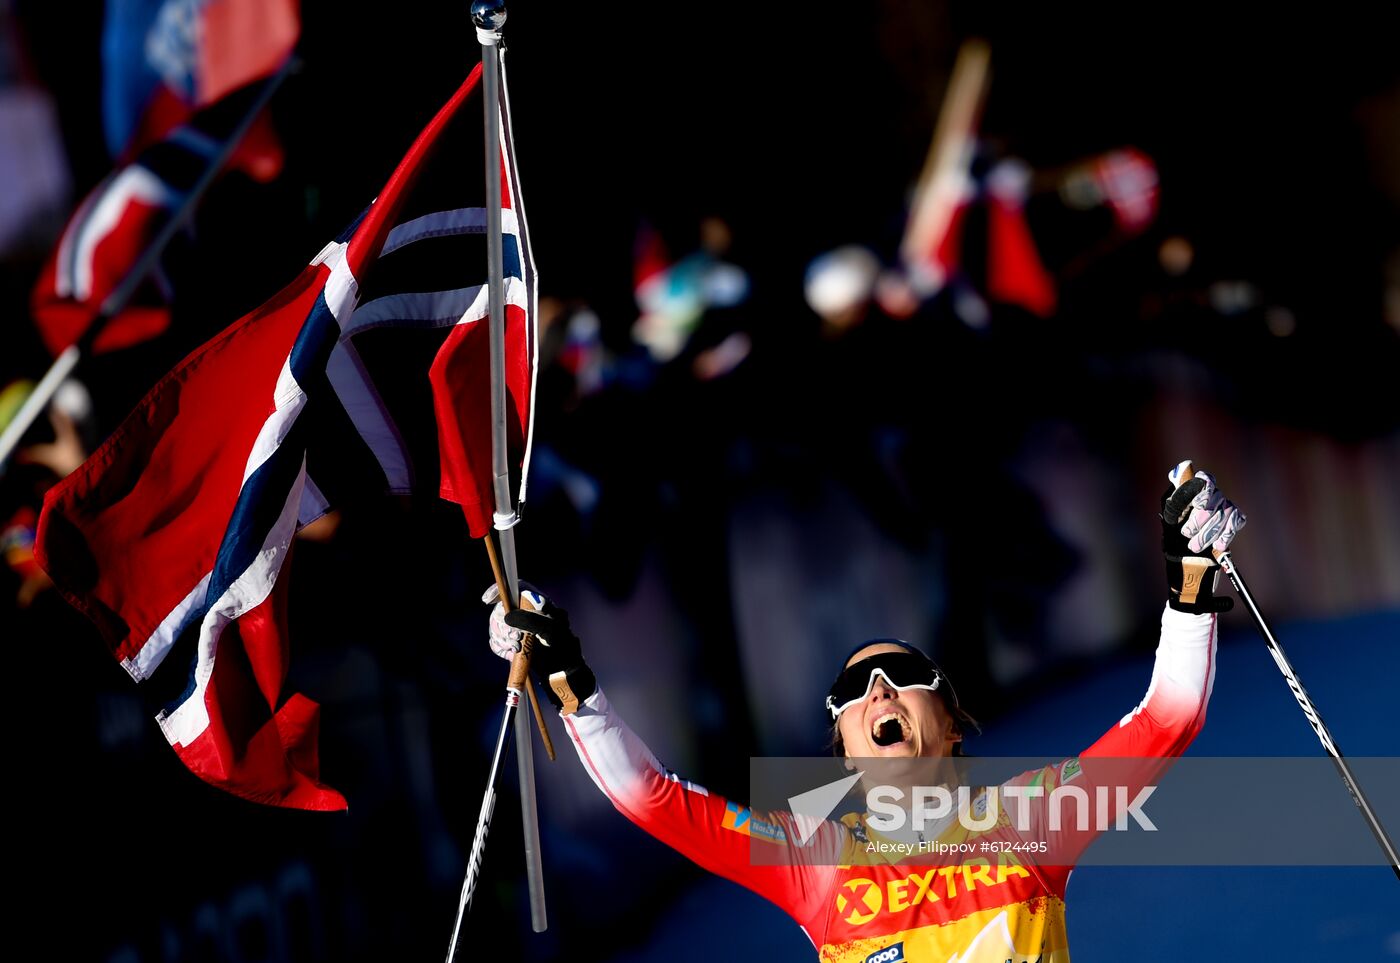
[864, 892]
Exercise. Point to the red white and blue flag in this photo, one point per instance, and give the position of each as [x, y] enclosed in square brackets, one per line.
[115, 224]
[164, 59]
[368, 372]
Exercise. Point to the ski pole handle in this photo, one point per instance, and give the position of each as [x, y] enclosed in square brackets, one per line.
[519, 677]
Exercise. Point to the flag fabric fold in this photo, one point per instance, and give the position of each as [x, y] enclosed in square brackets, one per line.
[1015, 272]
[368, 373]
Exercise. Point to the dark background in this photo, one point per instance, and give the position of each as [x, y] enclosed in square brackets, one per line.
[987, 493]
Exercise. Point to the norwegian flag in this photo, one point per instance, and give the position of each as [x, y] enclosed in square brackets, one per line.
[164, 59]
[1015, 273]
[368, 372]
[650, 259]
[115, 224]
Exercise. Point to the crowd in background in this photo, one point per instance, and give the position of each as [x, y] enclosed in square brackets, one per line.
[756, 443]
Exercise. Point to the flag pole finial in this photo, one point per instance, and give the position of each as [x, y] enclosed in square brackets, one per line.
[489, 17]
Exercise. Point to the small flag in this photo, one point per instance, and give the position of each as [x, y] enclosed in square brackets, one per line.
[115, 224]
[1015, 273]
[1128, 180]
[164, 59]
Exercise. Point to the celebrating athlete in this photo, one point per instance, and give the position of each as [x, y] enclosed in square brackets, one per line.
[891, 702]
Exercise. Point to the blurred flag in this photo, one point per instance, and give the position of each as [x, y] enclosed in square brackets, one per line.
[113, 226]
[930, 247]
[649, 260]
[673, 295]
[1124, 180]
[17, 542]
[164, 59]
[173, 537]
[1128, 180]
[1015, 273]
[582, 354]
[938, 258]
[670, 298]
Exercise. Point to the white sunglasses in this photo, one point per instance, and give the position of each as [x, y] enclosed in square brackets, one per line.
[916, 671]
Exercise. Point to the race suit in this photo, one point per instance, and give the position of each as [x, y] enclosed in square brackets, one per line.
[855, 907]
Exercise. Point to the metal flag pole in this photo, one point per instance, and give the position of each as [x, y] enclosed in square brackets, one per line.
[489, 16]
[115, 303]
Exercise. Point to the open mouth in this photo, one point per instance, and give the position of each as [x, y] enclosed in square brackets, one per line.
[890, 729]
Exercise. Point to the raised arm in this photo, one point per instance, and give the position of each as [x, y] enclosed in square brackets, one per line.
[1196, 518]
[724, 837]
[1174, 708]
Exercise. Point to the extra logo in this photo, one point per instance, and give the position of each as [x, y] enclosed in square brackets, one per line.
[865, 901]
[890, 954]
[860, 899]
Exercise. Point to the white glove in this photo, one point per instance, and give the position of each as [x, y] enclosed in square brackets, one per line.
[1210, 519]
[505, 640]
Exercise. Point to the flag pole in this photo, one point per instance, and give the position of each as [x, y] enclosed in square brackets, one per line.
[949, 156]
[115, 303]
[489, 16]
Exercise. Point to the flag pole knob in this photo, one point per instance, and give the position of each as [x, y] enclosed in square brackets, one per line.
[489, 15]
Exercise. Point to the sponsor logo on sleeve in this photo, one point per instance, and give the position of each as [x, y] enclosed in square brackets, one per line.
[740, 819]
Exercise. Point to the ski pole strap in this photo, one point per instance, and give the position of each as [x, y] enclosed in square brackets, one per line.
[568, 702]
[1193, 574]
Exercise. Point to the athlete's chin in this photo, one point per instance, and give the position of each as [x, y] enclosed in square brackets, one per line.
[900, 768]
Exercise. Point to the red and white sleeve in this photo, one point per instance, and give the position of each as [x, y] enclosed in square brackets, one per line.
[715, 833]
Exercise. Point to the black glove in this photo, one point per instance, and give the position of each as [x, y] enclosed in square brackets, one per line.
[556, 659]
[1192, 577]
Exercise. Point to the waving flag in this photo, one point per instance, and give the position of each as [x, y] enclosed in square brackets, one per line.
[164, 59]
[115, 224]
[368, 372]
[931, 247]
[1015, 272]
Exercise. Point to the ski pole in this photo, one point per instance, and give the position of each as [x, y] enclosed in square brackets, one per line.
[1227, 563]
